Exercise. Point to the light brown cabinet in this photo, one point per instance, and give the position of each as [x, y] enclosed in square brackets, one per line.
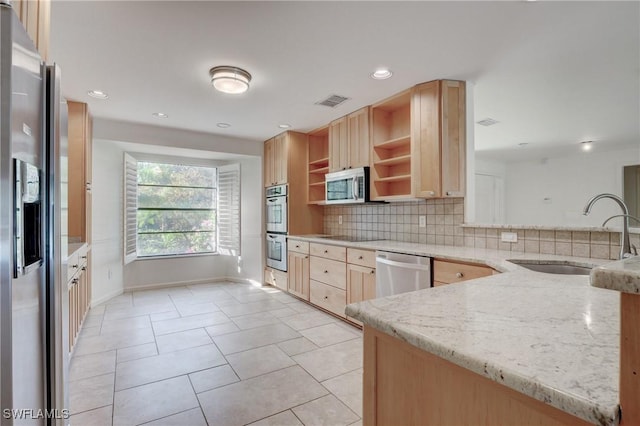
[80, 141]
[79, 291]
[418, 142]
[449, 272]
[276, 278]
[349, 141]
[35, 16]
[361, 285]
[285, 160]
[328, 277]
[276, 160]
[298, 271]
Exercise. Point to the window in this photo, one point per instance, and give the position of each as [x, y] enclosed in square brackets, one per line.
[177, 209]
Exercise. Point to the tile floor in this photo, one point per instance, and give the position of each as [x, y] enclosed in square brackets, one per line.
[215, 354]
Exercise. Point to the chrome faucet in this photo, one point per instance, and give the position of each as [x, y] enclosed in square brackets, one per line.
[625, 246]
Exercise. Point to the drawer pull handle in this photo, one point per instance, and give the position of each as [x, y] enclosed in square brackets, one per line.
[326, 272]
[373, 272]
[306, 257]
[326, 297]
[74, 281]
[74, 266]
[459, 275]
[326, 251]
[359, 257]
[84, 257]
[84, 268]
[297, 246]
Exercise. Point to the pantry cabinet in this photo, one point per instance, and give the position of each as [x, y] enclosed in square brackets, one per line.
[349, 141]
[418, 143]
[80, 141]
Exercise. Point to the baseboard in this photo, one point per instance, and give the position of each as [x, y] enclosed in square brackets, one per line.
[96, 302]
[186, 283]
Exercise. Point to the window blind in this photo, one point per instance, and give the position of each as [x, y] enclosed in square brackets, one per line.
[229, 209]
[130, 208]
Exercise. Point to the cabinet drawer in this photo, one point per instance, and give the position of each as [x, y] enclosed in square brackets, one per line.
[73, 265]
[327, 297]
[453, 272]
[361, 257]
[329, 272]
[276, 278]
[298, 246]
[330, 252]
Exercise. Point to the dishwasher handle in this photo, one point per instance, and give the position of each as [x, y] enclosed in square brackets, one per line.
[414, 266]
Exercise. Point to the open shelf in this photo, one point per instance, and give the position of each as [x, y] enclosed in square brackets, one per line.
[395, 178]
[317, 164]
[394, 160]
[394, 143]
[320, 162]
[323, 170]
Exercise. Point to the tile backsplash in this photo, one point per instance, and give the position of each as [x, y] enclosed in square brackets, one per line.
[444, 218]
[400, 221]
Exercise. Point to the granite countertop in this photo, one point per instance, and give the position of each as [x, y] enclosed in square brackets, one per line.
[623, 275]
[554, 338]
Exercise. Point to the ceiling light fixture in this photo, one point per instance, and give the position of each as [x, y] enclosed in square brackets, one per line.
[229, 79]
[381, 74]
[284, 126]
[98, 94]
[586, 145]
[160, 115]
[223, 125]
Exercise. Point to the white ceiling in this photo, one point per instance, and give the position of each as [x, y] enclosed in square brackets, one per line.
[552, 73]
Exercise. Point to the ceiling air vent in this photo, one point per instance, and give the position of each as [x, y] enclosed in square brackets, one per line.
[332, 101]
[487, 122]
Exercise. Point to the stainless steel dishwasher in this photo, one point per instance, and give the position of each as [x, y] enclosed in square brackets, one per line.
[399, 273]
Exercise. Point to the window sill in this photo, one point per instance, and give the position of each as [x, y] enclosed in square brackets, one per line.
[176, 256]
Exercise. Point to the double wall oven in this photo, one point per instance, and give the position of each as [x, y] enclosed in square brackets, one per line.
[276, 213]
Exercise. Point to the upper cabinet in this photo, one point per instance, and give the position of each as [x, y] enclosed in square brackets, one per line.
[35, 16]
[349, 141]
[317, 164]
[275, 160]
[418, 143]
[80, 127]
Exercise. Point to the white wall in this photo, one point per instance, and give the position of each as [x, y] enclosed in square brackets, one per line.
[554, 191]
[110, 277]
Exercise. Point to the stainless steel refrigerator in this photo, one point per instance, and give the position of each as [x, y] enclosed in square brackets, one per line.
[32, 353]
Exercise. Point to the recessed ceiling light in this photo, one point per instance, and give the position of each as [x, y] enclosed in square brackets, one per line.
[487, 122]
[223, 125]
[284, 126]
[160, 115]
[381, 74]
[586, 145]
[98, 94]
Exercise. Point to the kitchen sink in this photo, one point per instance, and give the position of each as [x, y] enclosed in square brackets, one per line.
[551, 267]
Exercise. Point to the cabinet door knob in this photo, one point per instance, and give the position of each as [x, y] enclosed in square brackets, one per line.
[359, 257]
[84, 268]
[74, 281]
[459, 275]
[373, 271]
[449, 193]
[297, 246]
[326, 297]
[306, 257]
[326, 272]
[326, 251]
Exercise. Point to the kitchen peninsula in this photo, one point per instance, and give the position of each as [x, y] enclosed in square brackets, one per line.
[519, 347]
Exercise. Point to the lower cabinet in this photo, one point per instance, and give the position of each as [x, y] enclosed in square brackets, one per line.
[328, 297]
[79, 292]
[298, 274]
[449, 272]
[276, 278]
[361, 285]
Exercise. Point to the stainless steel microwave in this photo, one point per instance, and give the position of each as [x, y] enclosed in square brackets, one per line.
[347, 186]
